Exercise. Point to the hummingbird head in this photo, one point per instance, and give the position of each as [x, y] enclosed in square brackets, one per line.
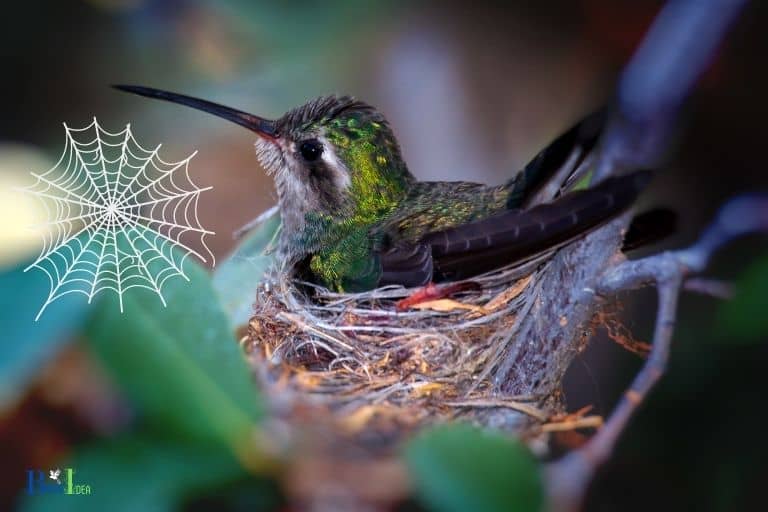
[333, 156]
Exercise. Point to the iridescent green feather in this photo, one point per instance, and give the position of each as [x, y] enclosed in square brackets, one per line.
[379, 182]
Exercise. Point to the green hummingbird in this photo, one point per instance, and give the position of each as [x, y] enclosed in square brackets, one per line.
[354, 218]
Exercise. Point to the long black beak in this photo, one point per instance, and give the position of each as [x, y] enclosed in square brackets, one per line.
[263, 127]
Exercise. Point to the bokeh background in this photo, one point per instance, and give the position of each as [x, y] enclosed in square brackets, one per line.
[473, 90]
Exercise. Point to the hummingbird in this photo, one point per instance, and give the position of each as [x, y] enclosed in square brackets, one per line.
[354, 218]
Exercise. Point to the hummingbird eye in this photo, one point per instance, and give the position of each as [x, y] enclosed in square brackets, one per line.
[310, 150]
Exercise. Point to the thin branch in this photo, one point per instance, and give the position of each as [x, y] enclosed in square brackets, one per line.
[712, 287]
[601, 446]
[504, 403]
[740, 216]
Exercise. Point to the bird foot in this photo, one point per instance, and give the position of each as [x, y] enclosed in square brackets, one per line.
[433, 292]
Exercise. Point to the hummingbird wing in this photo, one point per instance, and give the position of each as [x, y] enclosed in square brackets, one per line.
[517, 235]
[407, 264]
[557, 163]
[512, 236]
[541, 179]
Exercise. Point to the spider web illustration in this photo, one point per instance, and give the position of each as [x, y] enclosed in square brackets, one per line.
[119, 216]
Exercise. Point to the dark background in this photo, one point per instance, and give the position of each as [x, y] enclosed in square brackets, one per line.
[473, 90]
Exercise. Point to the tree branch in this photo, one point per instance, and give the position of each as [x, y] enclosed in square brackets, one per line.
[745, 215]
[661, 74]
[674, 54]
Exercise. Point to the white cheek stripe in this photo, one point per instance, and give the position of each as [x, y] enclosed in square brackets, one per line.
[340, 172]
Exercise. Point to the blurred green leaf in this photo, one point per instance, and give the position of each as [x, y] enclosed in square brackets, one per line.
[139, 474]
[28, 344]
[180, 364]
[458, 468]
[744, 317]
[237, 277]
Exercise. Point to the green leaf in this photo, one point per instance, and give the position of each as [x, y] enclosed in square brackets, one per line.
[141, 474]
[237, 277]
[744, 317]
[179, 364]
[27, 344]
[458, 468]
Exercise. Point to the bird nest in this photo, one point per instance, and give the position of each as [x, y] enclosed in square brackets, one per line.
[369, 362]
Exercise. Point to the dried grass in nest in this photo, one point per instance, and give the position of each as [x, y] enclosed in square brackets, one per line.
[365, 363]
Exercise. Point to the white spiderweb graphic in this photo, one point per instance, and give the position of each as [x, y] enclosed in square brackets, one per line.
[119, 216]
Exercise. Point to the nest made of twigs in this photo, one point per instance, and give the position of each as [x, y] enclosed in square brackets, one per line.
[362, 360]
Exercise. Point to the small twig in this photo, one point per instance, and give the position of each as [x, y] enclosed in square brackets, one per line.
[530, 410]
[712, 287]
[298, 322]
[740, 216]
[564, 426]
[260, 219]
[602, 444]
